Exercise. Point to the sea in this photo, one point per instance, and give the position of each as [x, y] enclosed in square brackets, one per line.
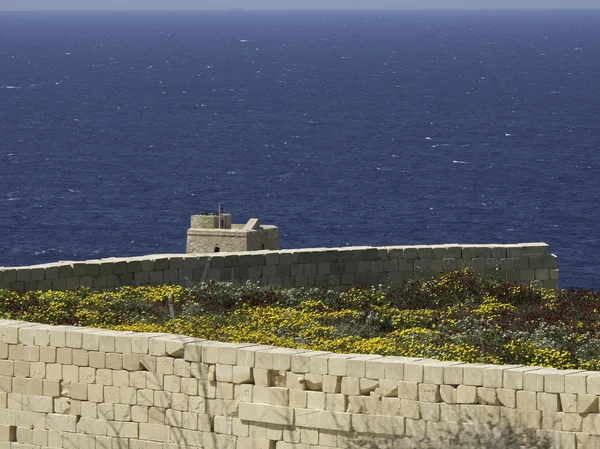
[343, 128]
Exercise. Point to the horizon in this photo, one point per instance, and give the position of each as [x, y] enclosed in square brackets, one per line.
[294, 5]
[382, 9]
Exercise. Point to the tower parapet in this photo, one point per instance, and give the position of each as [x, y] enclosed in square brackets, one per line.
[211, 232]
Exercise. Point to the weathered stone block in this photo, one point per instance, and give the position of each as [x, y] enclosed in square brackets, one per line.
[246, 355]
[449, 413]
[410, 409]
[430, 411]
[267, 413]
[552, 421]
[591, 424]
[429, 393]
[336, 421]
[493, 375]
[513, 377]
[568, 402]
[487, 396]
[572, 422]
[61, 423]
[587, 403]
[388, 388]
[336, 402]
[554, 380]
[314, 382]
[507, 398]
[319, 364]
[368, 385]
[350, 386]
[448, 394]
[413, 371]
[473, 374]
[527, 400]
[577, 382]
[530, 419]
[408, 390]
[452, 373]
[337, 365]
[466, 394]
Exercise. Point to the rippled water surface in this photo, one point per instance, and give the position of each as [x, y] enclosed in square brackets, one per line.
[353, 128]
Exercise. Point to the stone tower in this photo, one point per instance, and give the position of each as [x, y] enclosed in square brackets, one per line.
[211, 232]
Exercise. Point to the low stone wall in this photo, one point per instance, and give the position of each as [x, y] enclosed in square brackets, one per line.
[526, 263]
[69, 387]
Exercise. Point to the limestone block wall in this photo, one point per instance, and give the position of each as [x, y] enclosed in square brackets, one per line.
[69, 387]
[526, 263]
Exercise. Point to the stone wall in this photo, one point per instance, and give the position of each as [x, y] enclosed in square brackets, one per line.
[69, 387]
[526, 263]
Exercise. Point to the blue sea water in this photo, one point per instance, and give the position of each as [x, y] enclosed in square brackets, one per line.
[342, 128]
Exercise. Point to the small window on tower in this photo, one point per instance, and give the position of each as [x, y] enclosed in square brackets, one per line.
[217, 249]
[263, 246]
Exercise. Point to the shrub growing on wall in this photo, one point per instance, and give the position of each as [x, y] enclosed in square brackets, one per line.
[463, 316]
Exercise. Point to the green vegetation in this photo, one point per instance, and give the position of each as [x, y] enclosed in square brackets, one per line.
[463, 316]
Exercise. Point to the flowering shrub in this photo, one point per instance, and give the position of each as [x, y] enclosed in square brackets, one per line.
[464, 316]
